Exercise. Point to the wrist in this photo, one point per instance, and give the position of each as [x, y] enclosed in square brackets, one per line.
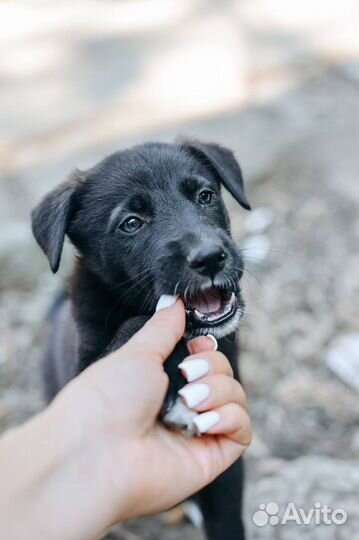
[90, 462]
[29, 462]
[54, 470]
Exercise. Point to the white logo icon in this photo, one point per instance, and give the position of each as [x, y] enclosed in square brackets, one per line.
[268, 514]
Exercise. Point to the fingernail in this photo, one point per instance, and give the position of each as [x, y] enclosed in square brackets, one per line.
[166, 301]
[194, 369]
[205, 421]
[215, 342]
[193, 394]
[207, 342]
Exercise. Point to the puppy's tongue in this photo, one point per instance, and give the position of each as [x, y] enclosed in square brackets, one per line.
[207, 302]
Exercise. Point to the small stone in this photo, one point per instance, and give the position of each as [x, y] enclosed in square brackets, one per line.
[257, 449]
[343, 359]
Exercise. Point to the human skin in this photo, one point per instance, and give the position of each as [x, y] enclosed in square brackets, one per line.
[98, 456]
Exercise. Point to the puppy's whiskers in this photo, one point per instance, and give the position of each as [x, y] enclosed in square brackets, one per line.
[146, 304]
[125, 298]
[176, 287]
[122, 283]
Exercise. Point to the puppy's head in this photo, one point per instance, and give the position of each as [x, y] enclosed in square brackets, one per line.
[149, 221]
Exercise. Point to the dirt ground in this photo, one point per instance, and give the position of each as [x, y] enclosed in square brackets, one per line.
[295, 140]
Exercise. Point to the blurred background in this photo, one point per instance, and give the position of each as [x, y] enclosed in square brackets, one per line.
[274, 80]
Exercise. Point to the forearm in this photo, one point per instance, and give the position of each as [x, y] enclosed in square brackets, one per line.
[50, 473]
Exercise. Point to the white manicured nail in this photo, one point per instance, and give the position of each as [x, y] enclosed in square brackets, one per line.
[165, 301]
[205, 421]
[193, 394]
[215, 343]
[194, 369]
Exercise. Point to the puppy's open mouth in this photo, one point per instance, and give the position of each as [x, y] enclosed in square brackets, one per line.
[213, 310]
[212, 306]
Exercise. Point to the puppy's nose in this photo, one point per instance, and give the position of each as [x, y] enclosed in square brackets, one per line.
[207, 260]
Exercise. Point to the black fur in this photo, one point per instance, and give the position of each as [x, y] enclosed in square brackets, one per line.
[119, 276]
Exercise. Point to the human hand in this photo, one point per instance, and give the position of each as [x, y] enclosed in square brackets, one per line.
[147, 467]
[101, 456]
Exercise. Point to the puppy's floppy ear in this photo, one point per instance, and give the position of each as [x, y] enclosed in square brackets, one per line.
[223, 163]
[51, 218]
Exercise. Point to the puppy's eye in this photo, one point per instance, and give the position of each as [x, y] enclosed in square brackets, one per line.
[131, 224]
[205, 196]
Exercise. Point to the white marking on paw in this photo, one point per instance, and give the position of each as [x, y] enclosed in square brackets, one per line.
[193, 513]
[181, 417]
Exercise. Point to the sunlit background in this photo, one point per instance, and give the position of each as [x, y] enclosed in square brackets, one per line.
[274, 80]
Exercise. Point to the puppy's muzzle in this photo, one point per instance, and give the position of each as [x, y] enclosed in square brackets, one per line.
[214, 304]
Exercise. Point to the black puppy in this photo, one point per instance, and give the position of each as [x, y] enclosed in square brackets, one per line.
[148, 221]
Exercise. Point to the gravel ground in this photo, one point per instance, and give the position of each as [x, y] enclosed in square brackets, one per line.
[300, 247]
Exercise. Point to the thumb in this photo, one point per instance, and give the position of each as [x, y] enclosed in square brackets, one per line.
[160, 334]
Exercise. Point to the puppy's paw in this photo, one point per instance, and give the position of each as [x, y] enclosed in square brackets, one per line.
[180, 417]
